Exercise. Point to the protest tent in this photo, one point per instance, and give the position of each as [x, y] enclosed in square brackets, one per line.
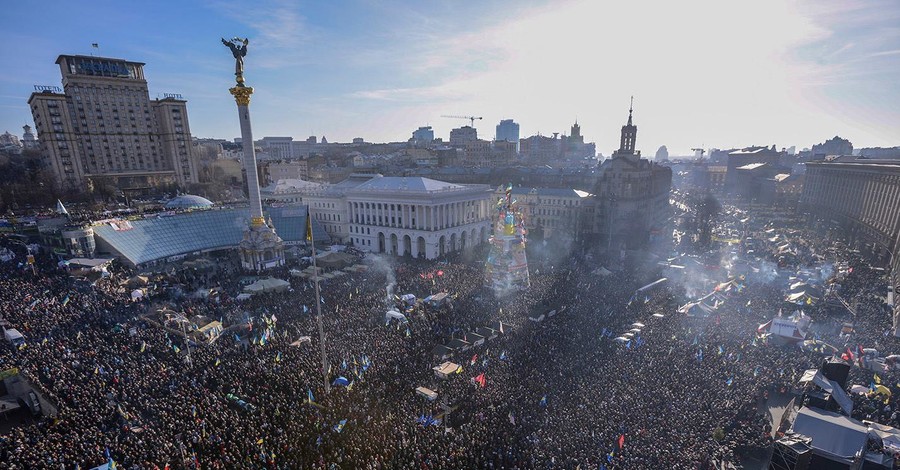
[335, 260]
[474, 338]
[488, 333]
[426, 393]
[394, 315]
[601, 271]
[136, 295]
[458, 343]
[442, 352]
[270, 284]
[444, 370]
[437, 300]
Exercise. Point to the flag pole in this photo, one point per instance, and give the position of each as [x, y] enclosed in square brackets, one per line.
[312, 243]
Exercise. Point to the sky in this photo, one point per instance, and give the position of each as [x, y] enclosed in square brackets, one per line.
[703, 73]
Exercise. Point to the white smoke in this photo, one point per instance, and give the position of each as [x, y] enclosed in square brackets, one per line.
[383, 265]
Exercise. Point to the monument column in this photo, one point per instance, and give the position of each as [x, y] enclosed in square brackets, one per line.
[242, 98]
[261, 248]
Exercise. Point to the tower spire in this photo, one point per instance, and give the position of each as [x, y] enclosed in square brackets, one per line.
[629, 134]
[630, 109]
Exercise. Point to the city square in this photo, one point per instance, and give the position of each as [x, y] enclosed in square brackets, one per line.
[171, 301]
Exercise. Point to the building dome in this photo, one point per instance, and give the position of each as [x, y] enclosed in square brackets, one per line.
[189, 201]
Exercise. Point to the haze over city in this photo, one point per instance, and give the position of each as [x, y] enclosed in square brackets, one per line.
[703, 73]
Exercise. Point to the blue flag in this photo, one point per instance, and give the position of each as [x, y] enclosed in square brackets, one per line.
[543, 402]
[309, 395]
[340, 425]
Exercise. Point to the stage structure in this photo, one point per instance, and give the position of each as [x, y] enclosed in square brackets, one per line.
[261, 248]
[506, 268]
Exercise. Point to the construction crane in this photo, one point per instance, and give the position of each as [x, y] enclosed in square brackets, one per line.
[470, 118]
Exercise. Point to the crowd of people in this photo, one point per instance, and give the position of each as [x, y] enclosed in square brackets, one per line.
[561, 393]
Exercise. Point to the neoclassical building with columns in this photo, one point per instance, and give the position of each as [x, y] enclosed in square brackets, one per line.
[419, 217]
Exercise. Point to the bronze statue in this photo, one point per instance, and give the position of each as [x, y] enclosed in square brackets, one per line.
[238, 48]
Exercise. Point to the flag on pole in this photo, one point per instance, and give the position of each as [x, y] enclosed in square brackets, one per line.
[309, 395]
[621, 441]
[543, 402]
[95, 45]
[309, 233]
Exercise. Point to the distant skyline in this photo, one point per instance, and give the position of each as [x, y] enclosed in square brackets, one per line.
[703, 73]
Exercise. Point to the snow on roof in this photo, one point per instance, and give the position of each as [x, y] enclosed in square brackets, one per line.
[407, 184]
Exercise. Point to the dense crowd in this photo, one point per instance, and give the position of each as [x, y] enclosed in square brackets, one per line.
[560, 393]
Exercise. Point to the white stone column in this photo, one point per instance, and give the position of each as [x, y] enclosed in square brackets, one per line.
[242, 97]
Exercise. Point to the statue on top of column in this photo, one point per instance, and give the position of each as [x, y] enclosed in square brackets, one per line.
[238, 48]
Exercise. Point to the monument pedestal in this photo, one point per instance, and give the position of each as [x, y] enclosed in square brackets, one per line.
[261, 248]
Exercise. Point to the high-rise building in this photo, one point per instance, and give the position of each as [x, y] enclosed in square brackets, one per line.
[858, 198]
[104, 123]
[460, 136]
[633, 197]
[423, 136]
[507, 130]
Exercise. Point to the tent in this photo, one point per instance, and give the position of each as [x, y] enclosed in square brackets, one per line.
[335, 260]
[394, 315]
[601, 271]
[890, 437]
[832, 434]
[444, 370]
[137, 281]
[441, 351]
[457, 343]
[136, 295]
[488, 333]
[244, 296]
[696, 309]
[475, 338]
[409, 299]
[436, 300]
[270, 284]
[426, 393]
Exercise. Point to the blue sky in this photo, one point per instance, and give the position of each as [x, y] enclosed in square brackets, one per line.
[703, 72]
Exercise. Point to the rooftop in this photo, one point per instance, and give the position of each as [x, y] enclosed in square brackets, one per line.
[752, 166]
[145, 240]
[189, 201]
[415, 184]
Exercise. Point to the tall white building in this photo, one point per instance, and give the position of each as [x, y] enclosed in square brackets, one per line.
[103, 123]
